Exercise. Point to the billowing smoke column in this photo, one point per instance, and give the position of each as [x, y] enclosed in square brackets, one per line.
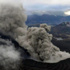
[12, 18]
[38, 43]
[36, 40]
[12, 23]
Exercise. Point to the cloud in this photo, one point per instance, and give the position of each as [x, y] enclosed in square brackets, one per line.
[67, 12]
[49, 2]
[12, 1]
[46, 5]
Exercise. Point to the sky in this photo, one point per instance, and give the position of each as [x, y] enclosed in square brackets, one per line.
[57, 7]
[43, 6]
[50, 2]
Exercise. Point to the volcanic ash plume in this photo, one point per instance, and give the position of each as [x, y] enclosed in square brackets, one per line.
[12, 18]
[12, 22]
[36, 40]
[38, 43]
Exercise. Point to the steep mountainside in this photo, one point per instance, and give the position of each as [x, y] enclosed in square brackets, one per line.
[49, 19]
[61, 30]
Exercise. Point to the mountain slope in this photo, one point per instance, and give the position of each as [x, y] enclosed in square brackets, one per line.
[49, 19]
[62, 29]
[34, 65]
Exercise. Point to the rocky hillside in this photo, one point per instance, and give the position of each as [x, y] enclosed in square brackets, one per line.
[45, 18]
[61, 30]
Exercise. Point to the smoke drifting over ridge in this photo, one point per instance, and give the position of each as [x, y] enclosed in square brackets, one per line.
[38, 43]
[36, 40]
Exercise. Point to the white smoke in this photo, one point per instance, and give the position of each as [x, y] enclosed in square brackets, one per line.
[36, 40]
[9, 57]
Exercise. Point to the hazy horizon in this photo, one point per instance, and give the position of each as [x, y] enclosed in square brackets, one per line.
[45, 6]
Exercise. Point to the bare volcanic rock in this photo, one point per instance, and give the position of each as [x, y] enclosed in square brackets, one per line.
[34, 65]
